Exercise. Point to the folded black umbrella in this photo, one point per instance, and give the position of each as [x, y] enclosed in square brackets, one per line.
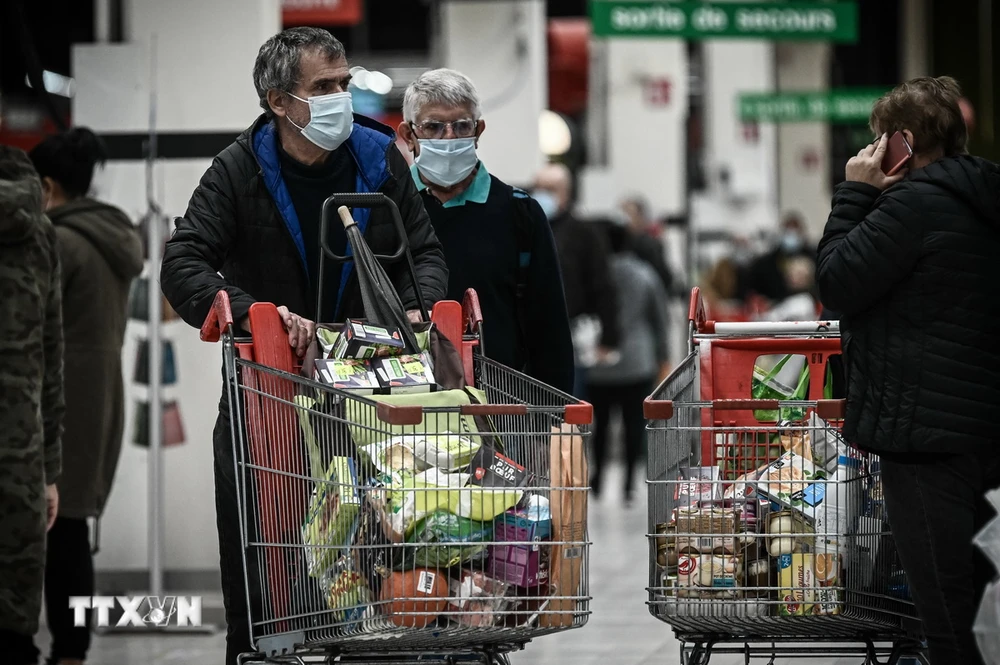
[381, 302]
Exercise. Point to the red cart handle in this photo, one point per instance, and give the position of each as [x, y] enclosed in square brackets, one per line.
[663, 409]
[471, 310]
[219, 319]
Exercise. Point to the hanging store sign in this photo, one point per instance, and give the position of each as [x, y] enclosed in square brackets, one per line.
[786, 21]
[844, 106]
[320, 12]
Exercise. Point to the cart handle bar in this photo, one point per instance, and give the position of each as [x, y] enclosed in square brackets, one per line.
[699, 323]
[663, 409]
[219, 320]
[581, 413]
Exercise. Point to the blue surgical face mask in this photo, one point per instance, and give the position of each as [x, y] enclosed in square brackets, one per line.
[548, 202]
[791, 242]
[446, 162]
[331, 119]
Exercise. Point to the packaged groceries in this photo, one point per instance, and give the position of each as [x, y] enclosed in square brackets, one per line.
[519, 564]
[348, 594]
[698, 484]
[808, 584]
[789, 532]
[403, 375]
[363, 341]
[333, 515]
[708, 572]
[419, 452]
[414, 598]
[347, 374]
[443, 540]
[476, 599]
[785, 479]
[707, 530]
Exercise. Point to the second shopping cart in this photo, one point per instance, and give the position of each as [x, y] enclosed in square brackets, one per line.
[767, 532]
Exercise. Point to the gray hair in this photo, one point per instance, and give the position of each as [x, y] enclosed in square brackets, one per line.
[277, 65]
[440, 86]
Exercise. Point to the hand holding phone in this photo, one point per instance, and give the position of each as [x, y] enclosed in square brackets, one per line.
[898, 154]
[867, 165]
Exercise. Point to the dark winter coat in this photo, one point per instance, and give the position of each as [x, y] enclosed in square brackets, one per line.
[101, 253]
[31, 388]
[585, 260]
[912, 272]
[241, 223]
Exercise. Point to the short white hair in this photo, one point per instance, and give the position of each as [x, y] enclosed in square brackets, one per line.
[446, 87]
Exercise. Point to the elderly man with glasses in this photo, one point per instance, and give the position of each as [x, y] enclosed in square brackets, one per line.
[496, 238]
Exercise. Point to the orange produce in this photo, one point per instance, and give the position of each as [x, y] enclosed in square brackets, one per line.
[415, 598]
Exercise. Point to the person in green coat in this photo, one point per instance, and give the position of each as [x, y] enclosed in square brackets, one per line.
[101, 253]
[31, 392]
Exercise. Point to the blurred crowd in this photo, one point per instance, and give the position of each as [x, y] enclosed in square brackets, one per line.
[766, 280]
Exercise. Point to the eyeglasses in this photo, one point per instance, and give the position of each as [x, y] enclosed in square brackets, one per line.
[434, 129]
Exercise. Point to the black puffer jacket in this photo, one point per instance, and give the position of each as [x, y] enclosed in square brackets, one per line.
[241, 222]
[913, 273]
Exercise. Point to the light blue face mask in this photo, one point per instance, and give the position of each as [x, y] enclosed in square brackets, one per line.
[548, 202]
[446, 162]
[331, 119]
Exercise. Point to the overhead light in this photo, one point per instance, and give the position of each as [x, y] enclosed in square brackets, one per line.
[379, 83]
[554, 135]
[374, 82]
[57, 84]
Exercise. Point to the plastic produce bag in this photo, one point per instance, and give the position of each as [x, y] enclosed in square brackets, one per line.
[443, 540]
[785, 380]
[419, 452]
[987, 625]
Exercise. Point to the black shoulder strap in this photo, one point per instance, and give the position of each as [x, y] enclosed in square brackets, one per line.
[523, 236]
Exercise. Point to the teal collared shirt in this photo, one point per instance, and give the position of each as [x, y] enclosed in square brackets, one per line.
[477, 192]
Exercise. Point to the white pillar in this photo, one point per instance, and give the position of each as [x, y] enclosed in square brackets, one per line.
[804, 148]
[500, 45]
[915, 43]
[746, 153]
[646, 115]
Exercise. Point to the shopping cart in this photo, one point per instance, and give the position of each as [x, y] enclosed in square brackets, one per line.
[767, 533]
[387, 528]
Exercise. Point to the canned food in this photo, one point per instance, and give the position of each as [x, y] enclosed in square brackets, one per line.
[789, 533]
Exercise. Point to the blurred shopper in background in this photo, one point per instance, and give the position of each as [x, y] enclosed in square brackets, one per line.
[255, 218]
[767, 275]
[909, 262]
[644, 239]
[584, 259]
[31, 389]
[800, 304]
[496, 238]
[101, 253]
[623, 385]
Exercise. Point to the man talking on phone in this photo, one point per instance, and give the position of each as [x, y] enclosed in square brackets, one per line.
[909, 262]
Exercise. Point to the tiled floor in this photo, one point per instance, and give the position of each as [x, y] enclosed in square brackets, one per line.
[620, 631]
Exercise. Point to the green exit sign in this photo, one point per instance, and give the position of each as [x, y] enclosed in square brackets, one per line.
[847, 105]
[778, 21]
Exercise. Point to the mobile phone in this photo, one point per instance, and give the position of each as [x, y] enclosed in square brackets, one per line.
[897, 154]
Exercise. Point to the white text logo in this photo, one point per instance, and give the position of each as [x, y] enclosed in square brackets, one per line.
[139, 611]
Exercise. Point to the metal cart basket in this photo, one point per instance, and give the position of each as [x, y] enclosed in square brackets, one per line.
[767, 533]
[386, 528]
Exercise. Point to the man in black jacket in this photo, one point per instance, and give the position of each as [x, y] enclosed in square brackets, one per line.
[496, 238]
[909, 262]
[584, 258]
[255, 217]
